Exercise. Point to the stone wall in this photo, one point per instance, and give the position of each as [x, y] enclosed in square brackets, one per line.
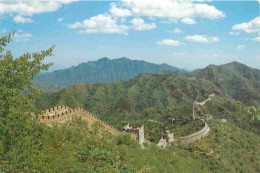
[61, 114]
[195, 136]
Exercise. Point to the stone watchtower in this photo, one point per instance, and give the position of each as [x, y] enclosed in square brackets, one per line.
[139, 132]
[141, 136]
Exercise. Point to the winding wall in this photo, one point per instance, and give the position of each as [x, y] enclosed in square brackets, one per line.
[195, 136]
[61, 114]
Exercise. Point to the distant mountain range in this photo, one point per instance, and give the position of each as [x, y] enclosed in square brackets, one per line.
[162, 94]
[234, 79]
[102, 70]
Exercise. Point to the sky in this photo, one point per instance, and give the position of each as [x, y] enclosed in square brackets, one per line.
[183, 33]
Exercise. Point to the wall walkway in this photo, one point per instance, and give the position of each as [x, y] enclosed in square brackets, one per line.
[61, 114]
[195, 136]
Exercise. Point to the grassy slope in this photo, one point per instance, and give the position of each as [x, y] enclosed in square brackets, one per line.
[236, 149]
[73, 147]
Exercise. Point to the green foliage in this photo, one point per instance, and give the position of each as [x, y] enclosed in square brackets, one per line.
[74, 147]
[252, 111]
[147, 96]
[150, 96]
[239, 81]
[17, 91]
[16, 97]
[235, 112]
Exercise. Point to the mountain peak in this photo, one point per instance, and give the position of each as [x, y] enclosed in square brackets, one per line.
[234, 63]
[124, 58]
[102, 70]
[103, 59]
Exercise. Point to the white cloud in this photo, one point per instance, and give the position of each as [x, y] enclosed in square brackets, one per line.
[234, 33]
[22, 37]
[175, 31]
[250, 27]
[169, 42]
[140, 25]
[201, 39]
[29, 8]
[188, 20]
[60, 20]
[240, 47]
[119, 12]
[20, 19]
[102, 23]
[172, 9]
[170, 20]
[256, 39]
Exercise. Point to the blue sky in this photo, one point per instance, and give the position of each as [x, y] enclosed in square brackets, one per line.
[187, 34]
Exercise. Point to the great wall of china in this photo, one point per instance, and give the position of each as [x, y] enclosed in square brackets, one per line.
[195, 136]
[61, 114]
[169, 137]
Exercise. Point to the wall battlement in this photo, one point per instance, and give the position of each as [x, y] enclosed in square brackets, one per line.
[61, 114]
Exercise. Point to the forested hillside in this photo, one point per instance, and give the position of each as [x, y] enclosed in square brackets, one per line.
[150, 99]
[148, 96]
[103, 70]
[47, 87]
[146, 92]
[238, 80]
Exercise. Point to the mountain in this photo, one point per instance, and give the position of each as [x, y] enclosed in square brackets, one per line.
[103, 70]
[147, 96]
[151, 99]
[145, 91]
[238, 80]
[165, 94]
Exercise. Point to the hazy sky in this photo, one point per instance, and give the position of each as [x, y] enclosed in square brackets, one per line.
[184, 33]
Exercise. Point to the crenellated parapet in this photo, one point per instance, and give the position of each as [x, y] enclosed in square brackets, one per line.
[61, 114]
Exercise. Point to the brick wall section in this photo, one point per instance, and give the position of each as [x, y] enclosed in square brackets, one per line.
[61, 114]
[195, 136]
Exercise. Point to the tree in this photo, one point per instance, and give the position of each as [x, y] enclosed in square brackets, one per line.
[17, 92]
[17, 95]
[252, 111]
